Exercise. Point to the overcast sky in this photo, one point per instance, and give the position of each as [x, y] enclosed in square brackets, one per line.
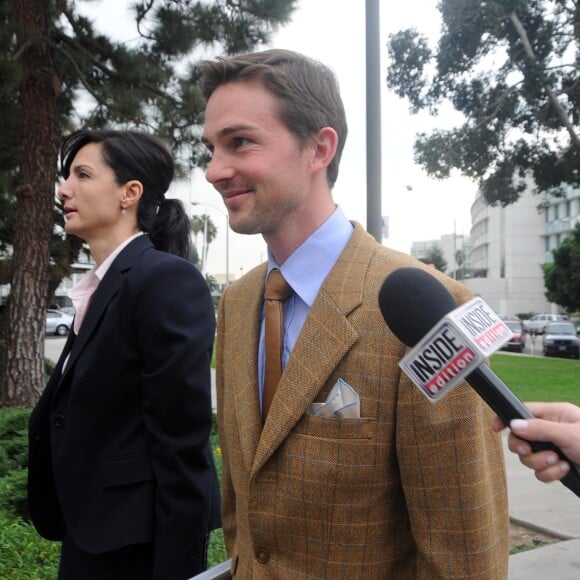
[333, 31]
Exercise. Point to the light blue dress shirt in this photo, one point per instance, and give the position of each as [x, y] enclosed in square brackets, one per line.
[305, 271]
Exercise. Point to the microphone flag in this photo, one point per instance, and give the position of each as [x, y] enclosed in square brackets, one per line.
[462, 340]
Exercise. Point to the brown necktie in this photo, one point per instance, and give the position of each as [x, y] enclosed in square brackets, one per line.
[277, 290]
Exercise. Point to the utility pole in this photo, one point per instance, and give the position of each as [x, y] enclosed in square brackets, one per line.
[373, 102]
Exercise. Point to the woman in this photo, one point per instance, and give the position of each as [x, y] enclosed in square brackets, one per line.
[120, 468]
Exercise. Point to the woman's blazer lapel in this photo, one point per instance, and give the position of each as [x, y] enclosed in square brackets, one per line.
[106, 290]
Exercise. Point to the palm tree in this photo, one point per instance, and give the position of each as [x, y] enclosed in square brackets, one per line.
[203, 224]
[435, 256]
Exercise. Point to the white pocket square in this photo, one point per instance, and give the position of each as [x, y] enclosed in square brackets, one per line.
[343, 402]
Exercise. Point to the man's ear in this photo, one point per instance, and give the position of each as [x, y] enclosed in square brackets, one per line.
[133, 192]
[325, 145]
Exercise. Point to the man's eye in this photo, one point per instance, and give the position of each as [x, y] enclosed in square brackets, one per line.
[238, 142]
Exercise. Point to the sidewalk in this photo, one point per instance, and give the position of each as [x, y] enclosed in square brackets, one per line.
[213, 393]
[550, 508]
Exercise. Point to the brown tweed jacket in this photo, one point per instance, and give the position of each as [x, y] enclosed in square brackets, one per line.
[411, 490]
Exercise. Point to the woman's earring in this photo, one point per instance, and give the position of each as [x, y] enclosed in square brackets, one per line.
[123, 210]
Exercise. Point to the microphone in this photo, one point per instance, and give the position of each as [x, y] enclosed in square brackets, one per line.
[419, 309]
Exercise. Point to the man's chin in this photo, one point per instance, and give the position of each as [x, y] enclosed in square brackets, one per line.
[245, 227]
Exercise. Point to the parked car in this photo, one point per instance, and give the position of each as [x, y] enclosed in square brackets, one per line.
[560, 339]
[67, 310]
[518, 340]
[58, 322]
[537, 323]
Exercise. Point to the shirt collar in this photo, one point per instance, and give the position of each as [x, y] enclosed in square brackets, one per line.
[101, 270]
[91, 279]
[308, 266]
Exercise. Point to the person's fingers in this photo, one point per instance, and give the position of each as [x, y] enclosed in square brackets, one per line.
[553, 472]
[537, 429]
[516, 445]
[498, 425]
[540, 460]
[558, 412]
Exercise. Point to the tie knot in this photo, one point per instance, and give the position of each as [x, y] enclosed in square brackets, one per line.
[276, 287]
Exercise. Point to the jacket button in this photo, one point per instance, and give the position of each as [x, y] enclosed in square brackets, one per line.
[59, 421]
[262, 555]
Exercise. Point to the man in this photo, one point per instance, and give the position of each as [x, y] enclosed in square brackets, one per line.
[400, 489]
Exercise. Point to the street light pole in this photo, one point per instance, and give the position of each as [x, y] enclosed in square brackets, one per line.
[373, 102]
[225, 214]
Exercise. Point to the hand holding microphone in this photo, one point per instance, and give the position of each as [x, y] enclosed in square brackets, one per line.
[449, 345]
[555, 422]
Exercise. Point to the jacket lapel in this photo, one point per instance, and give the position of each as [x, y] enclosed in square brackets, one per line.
[326, 337]
[245, 352]
[106, 290]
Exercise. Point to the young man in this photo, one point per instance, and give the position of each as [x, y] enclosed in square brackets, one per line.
[399, 488]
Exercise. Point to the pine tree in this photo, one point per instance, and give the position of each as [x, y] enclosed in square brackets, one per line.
[50, 55]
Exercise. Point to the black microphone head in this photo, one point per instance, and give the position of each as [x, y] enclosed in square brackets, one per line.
[412, 302]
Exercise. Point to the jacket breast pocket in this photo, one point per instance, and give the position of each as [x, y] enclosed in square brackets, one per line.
[343, 451]
[333, 470]
[332, 428]
[127, 470]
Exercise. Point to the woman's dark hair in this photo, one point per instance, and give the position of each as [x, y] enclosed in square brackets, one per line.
[145, 158]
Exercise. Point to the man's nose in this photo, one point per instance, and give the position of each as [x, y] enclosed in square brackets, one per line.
[219, 169]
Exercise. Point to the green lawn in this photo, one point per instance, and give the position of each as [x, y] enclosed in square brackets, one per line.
[539, 379]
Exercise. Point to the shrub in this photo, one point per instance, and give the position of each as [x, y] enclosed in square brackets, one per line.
[14, 494]
[525, 315]
[48, 367]
[13, 439]
[14, 461]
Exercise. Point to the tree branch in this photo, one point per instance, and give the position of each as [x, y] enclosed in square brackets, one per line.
[141, 16]
[551, 95]
[82, 78]
[111, 72]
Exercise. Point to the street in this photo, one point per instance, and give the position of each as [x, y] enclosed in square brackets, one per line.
[53, 346]
[533, 346]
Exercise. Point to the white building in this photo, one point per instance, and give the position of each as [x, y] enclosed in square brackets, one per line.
[510, 245]
[507, 248]
[507, 254]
